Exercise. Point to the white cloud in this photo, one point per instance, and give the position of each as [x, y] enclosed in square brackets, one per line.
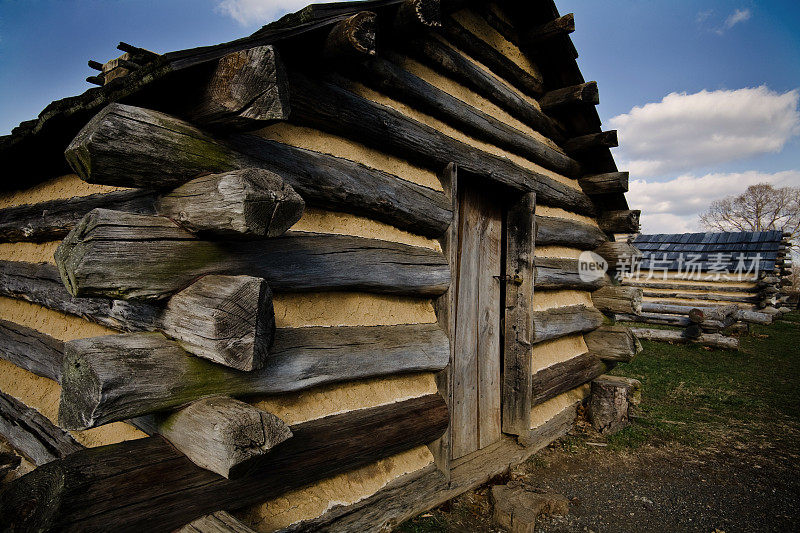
[690, 131]
[740, 15]
[674, 206]
[259, 12]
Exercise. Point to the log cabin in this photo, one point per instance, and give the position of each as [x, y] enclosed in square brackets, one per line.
[324, 277]
[705, 283]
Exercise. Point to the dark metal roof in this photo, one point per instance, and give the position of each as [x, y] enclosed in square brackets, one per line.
[711, 250]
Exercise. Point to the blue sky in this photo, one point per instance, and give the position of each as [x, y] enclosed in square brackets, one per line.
[712, 81]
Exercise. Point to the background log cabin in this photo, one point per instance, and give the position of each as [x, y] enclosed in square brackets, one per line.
[364, 221]
[708, 283]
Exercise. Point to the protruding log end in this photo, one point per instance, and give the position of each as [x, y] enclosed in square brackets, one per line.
[417, 15]
[353, 37]
[128, 146]
[604, 139]
[561, 26]
[81, 391]
[96, 80]
[624, 221]
[250, 202]
[226, 319]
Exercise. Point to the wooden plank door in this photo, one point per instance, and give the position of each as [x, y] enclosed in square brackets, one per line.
[477, 359]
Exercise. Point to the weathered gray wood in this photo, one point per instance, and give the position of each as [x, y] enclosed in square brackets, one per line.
[624, 221]
[77, 488]
[613, 343]
[522, 225]
[702, 296]
[655, 318]
[95, 260]
[609, 183]
[53, 219]
[666, 335]
[560, 274]
[248, 202]
[226, 319]
[352, 37]
[559, 27]
[604, 139]
[30, 433]
[754, 317]
[618, 299]
[583, 93]
[453, 64]
[134, 147]
[247, 90]
[661, 284]
[122, 376]
[479, 49]
[330, 107]
[32, 350]
[670, 309]
[562, 377]
[619, 254]
[389, 78]
[563, 321]
[220, 434]
[219, 522]
[553, 231]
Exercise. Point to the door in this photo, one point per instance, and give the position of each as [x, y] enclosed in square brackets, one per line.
[476, 368]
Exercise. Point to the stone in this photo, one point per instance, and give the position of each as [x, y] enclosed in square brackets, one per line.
[612, 401]
[517, 506]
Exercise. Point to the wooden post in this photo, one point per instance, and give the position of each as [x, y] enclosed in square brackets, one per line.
[225, 319]
[247, 90]
[219, 434]
[248, 202]
[517, 359]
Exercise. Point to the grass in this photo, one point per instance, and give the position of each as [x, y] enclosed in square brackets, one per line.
[694, 396]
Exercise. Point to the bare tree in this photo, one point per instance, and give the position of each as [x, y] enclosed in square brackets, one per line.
[762, 207]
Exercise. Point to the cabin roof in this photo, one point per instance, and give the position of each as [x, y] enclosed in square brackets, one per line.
[724, 249]
[28, 153]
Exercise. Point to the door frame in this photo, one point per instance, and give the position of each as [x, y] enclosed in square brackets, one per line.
[516, 348]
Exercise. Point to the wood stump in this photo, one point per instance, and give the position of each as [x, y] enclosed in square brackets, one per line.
[517, 506]
[611, 402]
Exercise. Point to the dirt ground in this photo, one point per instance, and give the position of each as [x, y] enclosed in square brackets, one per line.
[714, 448]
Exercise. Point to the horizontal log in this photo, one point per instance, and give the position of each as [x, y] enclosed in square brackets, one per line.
[619, 255]
[77, 488]
[660, 319]
[754, 317]
[133, 147]
[624, 221]
[660, 284]
[581, 94]
[53, 219]
[226, 319]
[701, 296]
[561, 274]
[613, 343]
[31, 350]
[353, 37]
[391, 79]
[666, 335]
[453, 64]
[608, 183]
[33, 435]
[563, 321]
[562, 377]
[553, 231]
[592, 141]
[219, 522]
[560, 27]
[618, 299]
[670, 309]
[123, 376]
[95, 260]
[246, 90]
[330, 107]
[250, 202]
[220, 434]
[495, 60]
